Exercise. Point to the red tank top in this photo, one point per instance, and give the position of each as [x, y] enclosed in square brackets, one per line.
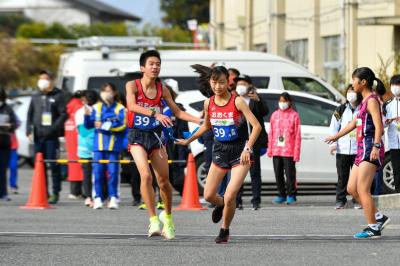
[225, 120]
[141, 121]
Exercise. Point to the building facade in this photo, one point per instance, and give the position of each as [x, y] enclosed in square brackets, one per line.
[329, 37]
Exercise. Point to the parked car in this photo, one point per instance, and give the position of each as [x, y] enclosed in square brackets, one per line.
[316, 164]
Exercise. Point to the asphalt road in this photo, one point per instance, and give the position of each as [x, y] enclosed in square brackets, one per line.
[310, 233]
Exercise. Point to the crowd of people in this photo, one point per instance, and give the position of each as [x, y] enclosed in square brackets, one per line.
[149, 125]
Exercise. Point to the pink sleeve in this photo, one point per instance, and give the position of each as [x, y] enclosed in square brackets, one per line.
[271, 135]
[297, 143]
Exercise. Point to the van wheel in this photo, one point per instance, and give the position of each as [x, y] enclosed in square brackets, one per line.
[388, 179]
[201, 172]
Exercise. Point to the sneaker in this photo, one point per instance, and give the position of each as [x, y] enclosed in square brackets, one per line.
[279, 200]
[291, 200]
[14, 190]
[168, 231]
[239, 206]
[73, 197]
[53, 199]
[160, 205]
[223, 236]
[216, 215]
[88, 202]
[154, 227]
[142, 207]
[357, 206]
[383, 222]
[256, 206]
[98, 204]
[113, 203]
[339, 205]
[368, 233]
[5, 198]
[136, 202]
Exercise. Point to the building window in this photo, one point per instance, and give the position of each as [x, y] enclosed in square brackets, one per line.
[332, 59]
[297, 51]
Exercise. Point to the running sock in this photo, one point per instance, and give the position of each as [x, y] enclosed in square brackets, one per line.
[168, 217]
[378, 215]
[374, 226]
[154, 219]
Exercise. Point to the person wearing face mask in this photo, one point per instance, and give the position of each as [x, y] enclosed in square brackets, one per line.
[108, 117]
[244, 88]
[391, 111]
[346, 147]
[8, 124]
[284, 147]
[45, 124]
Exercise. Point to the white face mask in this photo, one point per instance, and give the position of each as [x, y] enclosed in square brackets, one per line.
[395, 90]
[351, 97]
[283, 105]
[241, 90]
[43, 84]
[106, 96]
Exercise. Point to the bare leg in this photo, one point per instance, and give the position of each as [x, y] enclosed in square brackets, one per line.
[214, 178]
[161, 170]
[352, 183]
[237, 177]
[366, 174]
[146, 178]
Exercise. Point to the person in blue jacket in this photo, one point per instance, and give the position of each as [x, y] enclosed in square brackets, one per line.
[109, 118]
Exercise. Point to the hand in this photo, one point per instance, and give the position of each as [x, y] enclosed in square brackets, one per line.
[164, 120]
[200, 121]
[245, 158]
[30, 137]
[97, 124]
[183, 142]
[332, 149]
[374, 154]
[331, 139]
[87, 109]
[397, 119]
[253, 95]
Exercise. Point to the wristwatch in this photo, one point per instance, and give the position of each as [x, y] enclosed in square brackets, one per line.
[153, 113]
[248, 149]
[377, 145]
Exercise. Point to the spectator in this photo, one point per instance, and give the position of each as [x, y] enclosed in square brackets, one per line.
[85, 142]
[346, 147]
[8, 124]
[284, 146]
[109, 119]
[233, 73]
[244, 88]
[13, 163]
[45, 123]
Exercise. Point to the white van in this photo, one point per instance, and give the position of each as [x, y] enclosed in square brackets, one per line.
[89, 69]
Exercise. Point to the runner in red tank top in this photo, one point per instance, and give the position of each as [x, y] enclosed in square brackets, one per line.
[225, 113]
[143, 97]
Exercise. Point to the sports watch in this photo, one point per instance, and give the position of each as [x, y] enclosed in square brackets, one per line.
[377, 145]
[248, 149]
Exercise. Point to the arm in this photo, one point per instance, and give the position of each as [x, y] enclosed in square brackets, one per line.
[61, 111]
[374, 109]
[29, 118]
[203, 128]
[271, 135]
[120, 124]
[333, 130]
[13, 120]
[344, 131]
[297, 142]
[175, 109]
[89, 118]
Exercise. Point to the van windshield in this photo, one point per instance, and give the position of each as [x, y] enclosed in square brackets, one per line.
[308, 85]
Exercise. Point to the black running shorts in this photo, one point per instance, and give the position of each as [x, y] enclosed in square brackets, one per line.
[226, 155]
[147, 139]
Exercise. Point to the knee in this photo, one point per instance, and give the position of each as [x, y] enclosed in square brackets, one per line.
[229, 199]
[146, 179]
[208, 195]
[164, 184]
[352, 190]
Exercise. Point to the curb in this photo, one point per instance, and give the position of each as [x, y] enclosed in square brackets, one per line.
[390, 201]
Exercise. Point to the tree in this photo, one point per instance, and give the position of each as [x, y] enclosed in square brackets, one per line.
[179, 11]
[9, 23]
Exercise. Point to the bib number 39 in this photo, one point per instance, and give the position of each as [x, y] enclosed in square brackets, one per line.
[145, 122]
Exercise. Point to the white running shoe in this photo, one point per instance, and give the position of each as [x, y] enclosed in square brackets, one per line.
[113, 203]
[98, 204]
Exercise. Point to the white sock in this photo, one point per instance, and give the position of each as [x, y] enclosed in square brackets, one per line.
[378, 215]
[374, 226]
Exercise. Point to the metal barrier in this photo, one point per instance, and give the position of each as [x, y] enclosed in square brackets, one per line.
[65, 161]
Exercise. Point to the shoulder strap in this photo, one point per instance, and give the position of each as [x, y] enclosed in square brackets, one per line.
[139, 86]
[385, 104]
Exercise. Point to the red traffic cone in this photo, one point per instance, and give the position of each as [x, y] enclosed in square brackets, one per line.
[38, 196]
[190, 196]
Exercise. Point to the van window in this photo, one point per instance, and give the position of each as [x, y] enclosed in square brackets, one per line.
[313, 112]
[308, 85]
[68, 83]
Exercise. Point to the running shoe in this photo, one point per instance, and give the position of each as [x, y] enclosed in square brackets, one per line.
[279, 200]
[113, 203]
[53, 199]
[136, 202]
[239, 206]
[217, 214]
[142, 207]
[357, 206]
[339, 205]
[223, 236]
[383, 222]
[73, 197]
[88, 202]
[160, 205]
[97, 204]
[291, 200]
[256, 206]
[14, 190]
[154, 227]
[168, 231]
[368, 233]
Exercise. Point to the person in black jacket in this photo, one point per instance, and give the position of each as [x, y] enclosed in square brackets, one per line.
[8, 123]
[45, 123]
[245, 89]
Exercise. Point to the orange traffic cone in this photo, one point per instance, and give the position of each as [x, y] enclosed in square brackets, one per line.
[190, 197]
[38, 197]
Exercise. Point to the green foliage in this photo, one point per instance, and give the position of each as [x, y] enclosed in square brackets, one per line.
[9, 23]
[179, 11]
